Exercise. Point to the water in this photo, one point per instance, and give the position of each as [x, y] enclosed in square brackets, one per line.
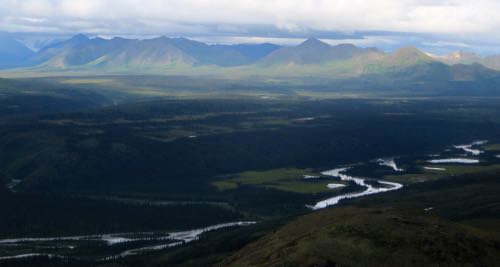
[389, 163]
[369, 189]
[469, 148]
[171, 239]
[435, 169]
[311, 176]
[454, 160]
[333, 186]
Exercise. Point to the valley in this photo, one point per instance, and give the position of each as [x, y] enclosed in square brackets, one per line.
[195, 133]
[155, 168]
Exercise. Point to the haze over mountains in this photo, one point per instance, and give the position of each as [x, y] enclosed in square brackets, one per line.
[314, 51]
[12, 52]
[462, 57]
[83, 51]
[119, 53]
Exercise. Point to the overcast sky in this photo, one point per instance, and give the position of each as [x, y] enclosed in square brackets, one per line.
[438, 25]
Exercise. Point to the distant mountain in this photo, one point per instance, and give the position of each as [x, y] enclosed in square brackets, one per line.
[38, 42]
[153, 52]
[472, 72]
[12, 52]
[492, 62]
[83, 51]
[408, 56]
[310, 58]
[461, 57]
[252, 52]
[314, 51]
[438, 72]
[204, 54]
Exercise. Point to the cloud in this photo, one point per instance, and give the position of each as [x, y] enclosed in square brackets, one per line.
[459, 16]
[446, 44]
[459, 20]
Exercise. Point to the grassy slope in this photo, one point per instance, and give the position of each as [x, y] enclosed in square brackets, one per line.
[352, 236]
[393, 230]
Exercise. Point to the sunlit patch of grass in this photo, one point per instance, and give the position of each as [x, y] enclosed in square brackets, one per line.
[302, 187]
[492, 147]
[288, 179]
[450, 170]
[225, 185]
[413, 177]
[259, 177]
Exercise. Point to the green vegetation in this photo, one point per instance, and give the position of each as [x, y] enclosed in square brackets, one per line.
[352, 236]
[492, 147]
[282, 179]
[25, 215]
[451, 170]
[470, 199]
[450, 222]
[150, 153]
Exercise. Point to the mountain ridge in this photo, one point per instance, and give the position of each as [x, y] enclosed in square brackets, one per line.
[81, 50]
[469, 58]
[314, 51]
[312, 57]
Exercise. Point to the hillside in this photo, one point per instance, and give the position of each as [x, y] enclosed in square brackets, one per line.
[451, 222]
[370, 237]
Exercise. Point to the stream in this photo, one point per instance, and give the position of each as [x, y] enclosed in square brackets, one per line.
[339, 173]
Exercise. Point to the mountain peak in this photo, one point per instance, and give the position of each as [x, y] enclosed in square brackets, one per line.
[160, 39]
[79, 38]
[313, 42]
[409, 55]
[409, 51]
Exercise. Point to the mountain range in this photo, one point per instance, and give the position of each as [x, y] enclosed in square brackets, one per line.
[119, 52]
[81, 51]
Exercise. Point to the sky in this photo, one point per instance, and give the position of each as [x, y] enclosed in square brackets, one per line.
[436, 25]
